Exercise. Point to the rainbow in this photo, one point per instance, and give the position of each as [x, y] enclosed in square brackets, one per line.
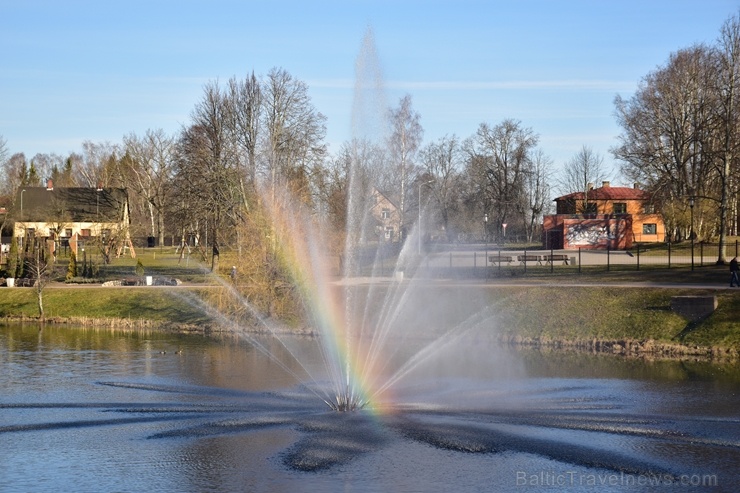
[353, 376]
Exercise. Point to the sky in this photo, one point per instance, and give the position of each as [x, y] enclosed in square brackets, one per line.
[74, 70]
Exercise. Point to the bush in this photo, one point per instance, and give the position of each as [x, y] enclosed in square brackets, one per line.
[139, 268]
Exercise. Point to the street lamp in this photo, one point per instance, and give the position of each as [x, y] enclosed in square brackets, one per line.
[24, 226]
[421, 184]
[485, 231]
[691, 208]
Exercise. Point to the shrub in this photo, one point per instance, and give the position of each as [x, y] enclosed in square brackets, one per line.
[139, 268]
[72, 267]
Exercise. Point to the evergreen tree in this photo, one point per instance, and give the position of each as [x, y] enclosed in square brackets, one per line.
[72, 267]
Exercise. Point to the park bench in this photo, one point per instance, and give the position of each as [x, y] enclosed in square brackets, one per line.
[523, 259]
[499, 259]
[557, 257]
[131, 281]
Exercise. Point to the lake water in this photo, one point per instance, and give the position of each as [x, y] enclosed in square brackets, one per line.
[90, 410]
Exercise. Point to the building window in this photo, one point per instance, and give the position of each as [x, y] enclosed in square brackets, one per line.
[386, 213]
[388, 233]
[649, 209]
[590, 208]
[68, 232]
[85, 232]
[620, 208]
[649, 229]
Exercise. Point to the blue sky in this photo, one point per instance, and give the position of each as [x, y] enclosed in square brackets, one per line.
[77, 70]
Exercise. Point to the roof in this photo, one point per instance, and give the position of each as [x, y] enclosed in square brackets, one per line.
[385, 195]
[75, 204]
[609, 193]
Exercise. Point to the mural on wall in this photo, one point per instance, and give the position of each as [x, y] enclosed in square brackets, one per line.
[589, 234]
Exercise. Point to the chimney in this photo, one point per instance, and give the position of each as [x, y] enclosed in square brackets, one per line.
[49, 185]
[604, 184]
[636, 186]
[590, 186]
[100, 186]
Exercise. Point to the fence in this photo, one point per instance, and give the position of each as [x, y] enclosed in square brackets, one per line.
[486, 262]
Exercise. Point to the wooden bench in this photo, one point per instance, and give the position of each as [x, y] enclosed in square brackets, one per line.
[557, 257]
[499, 259]
[529, 258]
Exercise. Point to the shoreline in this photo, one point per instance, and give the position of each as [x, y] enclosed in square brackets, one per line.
[628, 348]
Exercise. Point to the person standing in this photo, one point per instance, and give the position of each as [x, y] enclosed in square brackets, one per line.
[734, 279]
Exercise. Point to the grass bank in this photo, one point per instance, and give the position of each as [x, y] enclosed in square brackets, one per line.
[617, 319]
[603, 314]
[90, 305]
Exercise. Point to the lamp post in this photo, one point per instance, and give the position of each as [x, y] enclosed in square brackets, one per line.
[691, 208]
[485, 233]
[24, 227]
[421, 184]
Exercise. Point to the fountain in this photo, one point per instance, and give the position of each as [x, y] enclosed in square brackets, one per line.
[361, 337]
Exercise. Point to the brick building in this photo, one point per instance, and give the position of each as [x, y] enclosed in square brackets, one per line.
[605, 217]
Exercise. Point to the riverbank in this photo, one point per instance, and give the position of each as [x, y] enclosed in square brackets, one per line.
[616, 319]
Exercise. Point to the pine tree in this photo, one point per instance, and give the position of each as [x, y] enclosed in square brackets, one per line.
[72, 267]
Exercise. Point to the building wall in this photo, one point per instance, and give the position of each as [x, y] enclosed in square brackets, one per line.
[43, 228]
[587, 231]
[638, 228]
[391, 224]
[569, 230]
[601, 232]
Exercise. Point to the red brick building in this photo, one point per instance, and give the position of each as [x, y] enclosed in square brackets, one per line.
[605, 217]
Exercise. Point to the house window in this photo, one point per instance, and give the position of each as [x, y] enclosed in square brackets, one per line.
[85, 232]
[649, 229]
[590, 208]
[648, 209]
[388, 233]
[620, 208]
[386, 213]
[68, 232]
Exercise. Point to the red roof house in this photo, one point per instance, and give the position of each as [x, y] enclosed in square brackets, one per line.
[603, 218]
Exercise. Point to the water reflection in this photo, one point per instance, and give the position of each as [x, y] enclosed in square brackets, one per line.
[104, 410]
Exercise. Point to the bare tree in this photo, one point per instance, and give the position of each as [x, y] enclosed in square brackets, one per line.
[499, 158]
[582, 171]
[294, 133]
[149, 164]
[537, 192]
[352, 172]
[442, 160]
[3, 150]
[666, 141]
[47, 166]
[245, 99]
[405, 139]
[727, 90]
[206, 178]
[40, 265]
[97, 165]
